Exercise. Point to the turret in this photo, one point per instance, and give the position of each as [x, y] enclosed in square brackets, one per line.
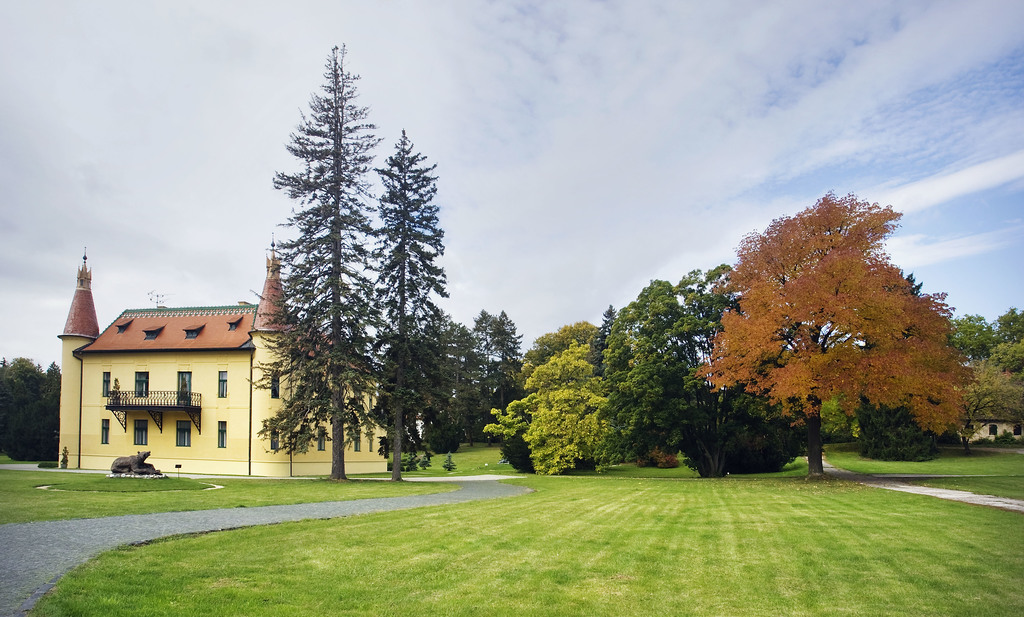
[80, 329]
[266, 314]
[82, 316]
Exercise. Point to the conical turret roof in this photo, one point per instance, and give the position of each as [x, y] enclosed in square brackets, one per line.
[266, 314]
[82, 316]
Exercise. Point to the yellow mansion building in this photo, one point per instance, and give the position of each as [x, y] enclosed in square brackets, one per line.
[179, 382]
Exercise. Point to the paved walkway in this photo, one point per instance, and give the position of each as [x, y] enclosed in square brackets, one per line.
[34, 555]
[890, 482]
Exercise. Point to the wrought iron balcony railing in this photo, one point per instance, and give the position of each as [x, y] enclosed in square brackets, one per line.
[155, 399]
[156, 402]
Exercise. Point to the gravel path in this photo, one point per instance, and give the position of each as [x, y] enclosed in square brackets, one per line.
[889, 482]
[34, 555]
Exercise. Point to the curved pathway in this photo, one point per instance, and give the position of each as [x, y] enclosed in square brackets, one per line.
[889, 482]
[35, 555]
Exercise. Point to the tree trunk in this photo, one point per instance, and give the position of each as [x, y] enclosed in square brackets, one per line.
[967, 445]
[337, 446]
[814, 465]
[396, 448]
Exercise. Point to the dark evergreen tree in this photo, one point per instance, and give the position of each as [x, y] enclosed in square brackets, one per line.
[501, 351]
[600, 342]
[409, 243]
[460, 375]
[324, 351]
[30, 407]
[890, 434]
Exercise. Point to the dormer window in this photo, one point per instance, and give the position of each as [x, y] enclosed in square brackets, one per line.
[122, 327]
[152, 334]
[193, 332]
[233, 325]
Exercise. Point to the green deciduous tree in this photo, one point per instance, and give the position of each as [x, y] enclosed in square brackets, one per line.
[559, 419]
[974, 337]
[410, 241]
[548, 345]
[992, 394]
[659, 399]
[1009, 352]
[324, 351]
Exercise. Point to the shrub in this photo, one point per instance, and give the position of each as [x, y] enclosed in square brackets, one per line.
[764, 449]
[48, 465]
[890, 434]
[517, 453]
[443, 436]
[448, 464]
[658, 458]
[1006, 438]
[411, 461]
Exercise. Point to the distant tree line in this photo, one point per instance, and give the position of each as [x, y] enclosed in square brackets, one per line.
[29, 410]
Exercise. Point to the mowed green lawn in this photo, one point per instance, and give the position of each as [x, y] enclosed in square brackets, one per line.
[77, 495]
[588, 546]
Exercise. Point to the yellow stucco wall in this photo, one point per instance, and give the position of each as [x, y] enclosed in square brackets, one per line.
[242, 411]
[984, 431]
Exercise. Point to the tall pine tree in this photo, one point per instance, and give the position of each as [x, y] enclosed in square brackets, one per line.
[324, 352]
[408, 245]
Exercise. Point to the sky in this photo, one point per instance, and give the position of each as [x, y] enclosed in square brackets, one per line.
[583, 149]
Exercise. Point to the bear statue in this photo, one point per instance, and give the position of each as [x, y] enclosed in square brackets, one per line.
[135, 464]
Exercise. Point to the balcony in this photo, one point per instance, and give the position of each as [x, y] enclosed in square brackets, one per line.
[156, 402]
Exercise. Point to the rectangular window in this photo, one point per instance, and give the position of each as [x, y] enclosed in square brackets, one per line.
[275, 387]
[357, 443]
[184, 387]
[184, 434]
[222, 434]
[106, 383]
[222, 384]
[993, 429]
[104, 431]
[321, 441]
[141, 432]
[275, 441]
[141, 383]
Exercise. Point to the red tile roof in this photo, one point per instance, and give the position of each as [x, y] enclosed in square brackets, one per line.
[129, 330]
[265, 316]
[82, 316]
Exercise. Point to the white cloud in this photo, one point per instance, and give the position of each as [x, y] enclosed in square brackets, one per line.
[945, 187]
[918, 250]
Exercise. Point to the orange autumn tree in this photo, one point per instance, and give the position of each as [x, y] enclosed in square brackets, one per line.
[823, 315]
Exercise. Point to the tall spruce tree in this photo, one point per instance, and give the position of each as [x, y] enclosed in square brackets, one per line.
[324, 351]
[500, 349]
[408, 245]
